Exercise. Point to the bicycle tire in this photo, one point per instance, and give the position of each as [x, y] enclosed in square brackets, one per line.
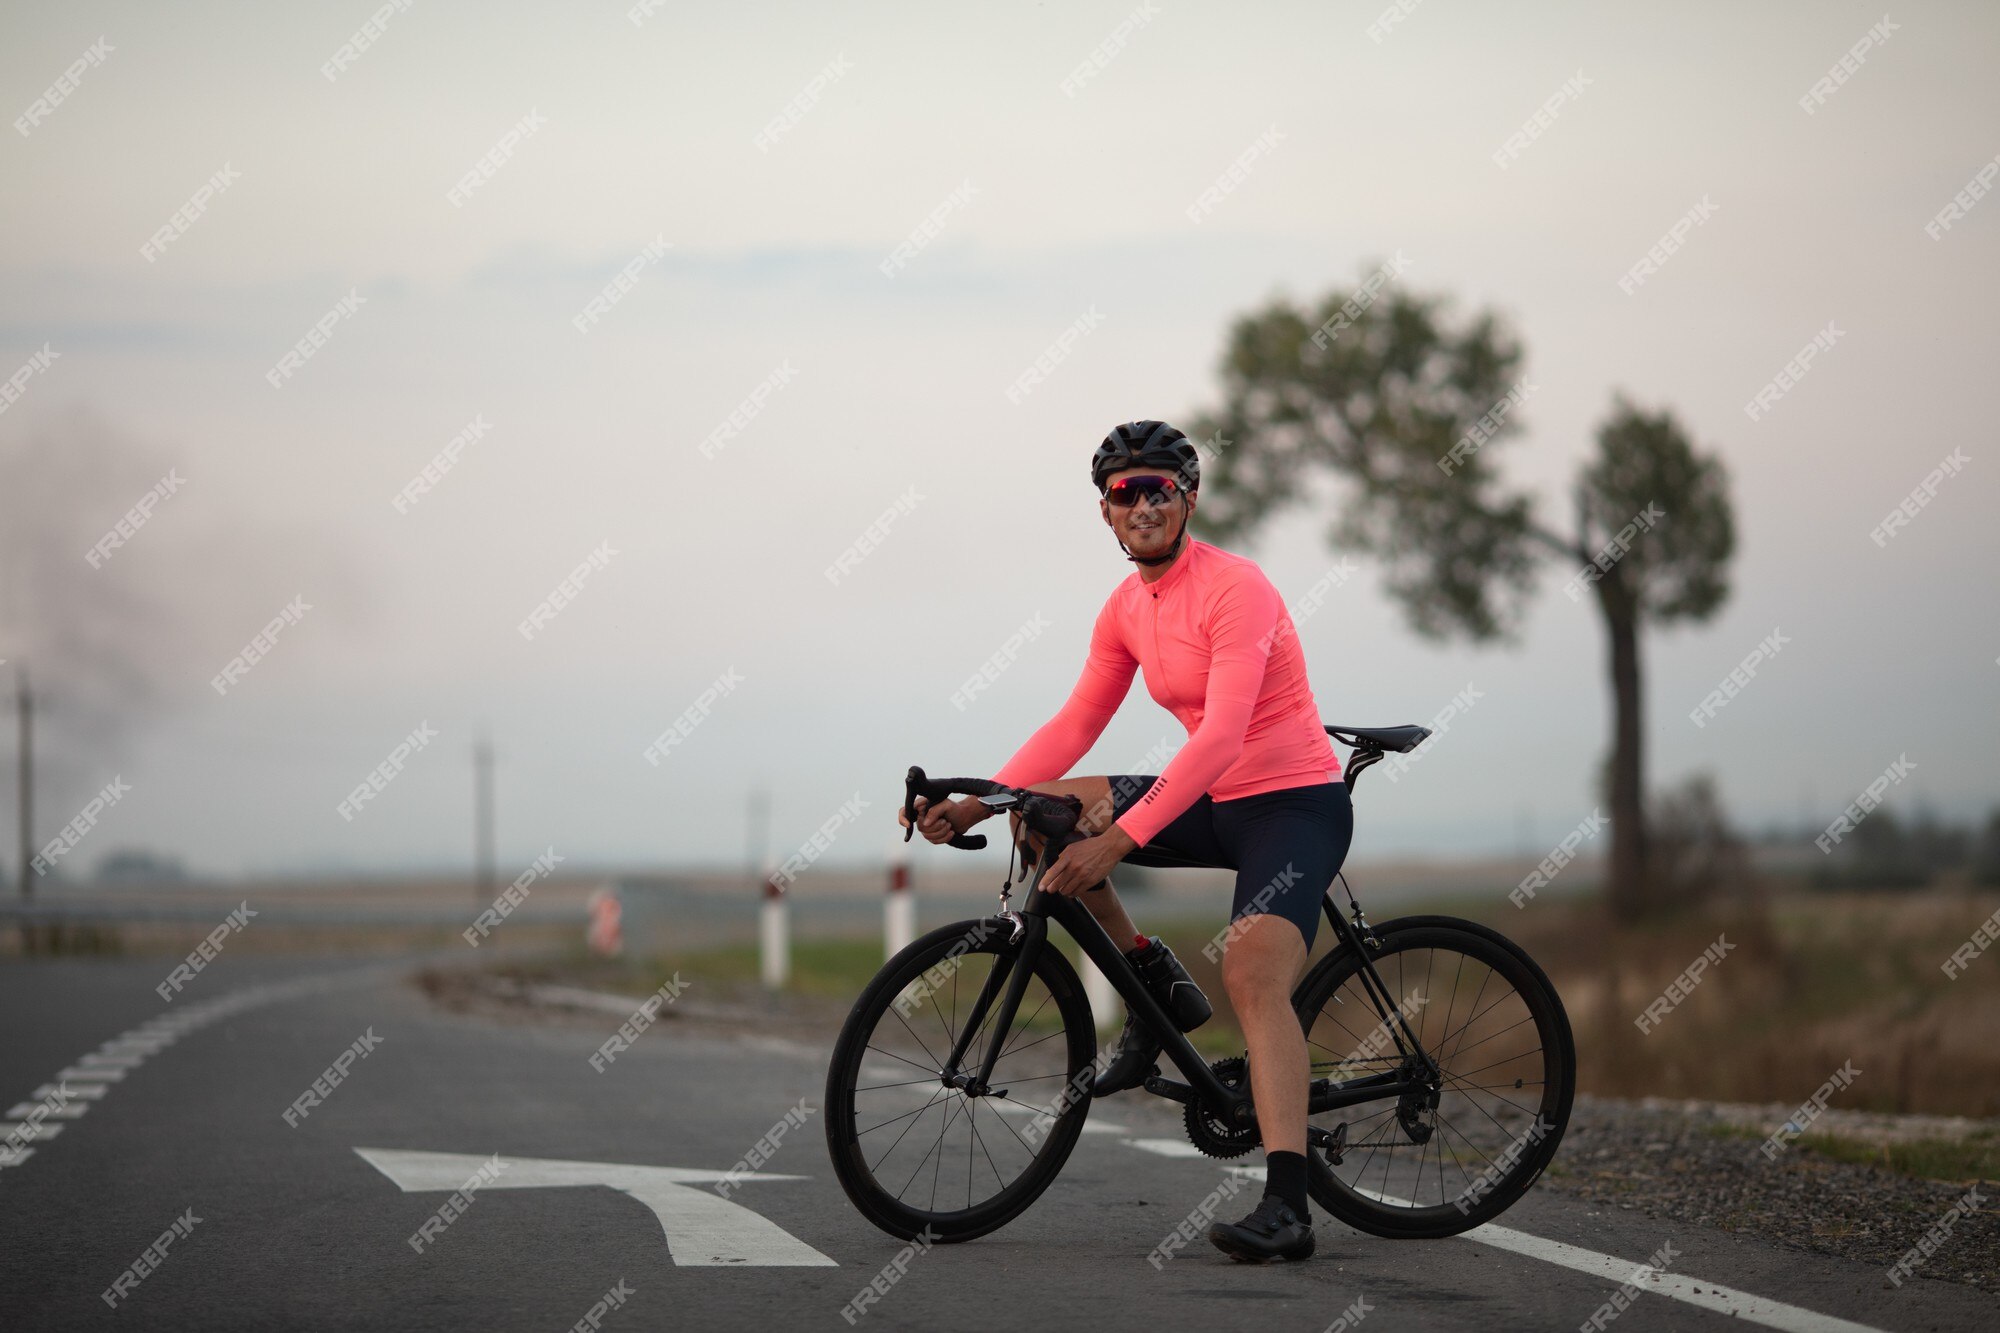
[1382, 1214]
[887, 1209]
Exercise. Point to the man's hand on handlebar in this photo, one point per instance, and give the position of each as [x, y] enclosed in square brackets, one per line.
[944, 820]
[1086, 862]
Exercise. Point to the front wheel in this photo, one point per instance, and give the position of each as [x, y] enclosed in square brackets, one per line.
[917, 1155]
[1445, 1159]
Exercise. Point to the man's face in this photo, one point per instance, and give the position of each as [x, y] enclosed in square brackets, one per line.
[1147, 528]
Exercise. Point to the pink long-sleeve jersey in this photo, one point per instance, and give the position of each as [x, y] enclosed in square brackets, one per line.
[1221, 655]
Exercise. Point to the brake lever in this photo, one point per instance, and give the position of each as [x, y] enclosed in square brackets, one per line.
[970, 842]
[911, 781]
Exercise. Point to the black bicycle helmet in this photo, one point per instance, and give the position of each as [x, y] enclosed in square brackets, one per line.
[1148, 444]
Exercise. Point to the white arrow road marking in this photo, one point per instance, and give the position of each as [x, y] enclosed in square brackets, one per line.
[702, 1228]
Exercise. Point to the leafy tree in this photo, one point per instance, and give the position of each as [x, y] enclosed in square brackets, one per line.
[1409, 407]
[1986, 853]
[1878, 854]
[1697, 856]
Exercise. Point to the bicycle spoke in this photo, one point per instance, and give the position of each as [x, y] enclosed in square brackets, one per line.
[1470, 1183]
[1036, 1078]
[877, 1087]
[919, 1040]
[1470, 1021]
[1015, 1132]
[939, 1166]
[1451, 1128]
[905, 1116]
[1497, 1063]
[1463, 1093]
[1025, 1026]
[906, 1060]
[1489, 1115]
[981, 1140]
[1036, 1042]
[1474, 1019]
[919, 1113]
[1358, 1041]
[921, 1161]
[940, 1015]
[1501, 1033]
[1452, 1006]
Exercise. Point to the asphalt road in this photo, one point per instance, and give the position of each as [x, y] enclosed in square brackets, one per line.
[294, 1227]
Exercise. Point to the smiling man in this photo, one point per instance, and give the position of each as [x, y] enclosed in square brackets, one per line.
[1257, 789]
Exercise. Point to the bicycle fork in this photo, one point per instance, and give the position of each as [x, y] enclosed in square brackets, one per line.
[1011, 970]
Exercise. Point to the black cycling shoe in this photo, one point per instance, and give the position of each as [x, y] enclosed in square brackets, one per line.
[1175, 990]
[1138, 1056]
[1272, 1231]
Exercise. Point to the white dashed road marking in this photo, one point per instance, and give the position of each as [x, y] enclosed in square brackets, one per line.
[84, 1083]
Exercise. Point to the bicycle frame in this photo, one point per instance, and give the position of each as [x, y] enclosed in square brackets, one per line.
[1031, 936]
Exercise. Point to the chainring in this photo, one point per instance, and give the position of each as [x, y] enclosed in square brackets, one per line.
[1208, 1131]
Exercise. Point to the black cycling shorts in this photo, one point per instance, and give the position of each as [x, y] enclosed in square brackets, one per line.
[1284, 845]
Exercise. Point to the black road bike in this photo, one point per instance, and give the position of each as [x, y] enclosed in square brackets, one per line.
[1442, 1061]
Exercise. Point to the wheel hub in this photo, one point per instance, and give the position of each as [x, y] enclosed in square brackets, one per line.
[1410, 1107]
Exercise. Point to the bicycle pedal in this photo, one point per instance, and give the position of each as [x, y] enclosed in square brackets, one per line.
[1331, 1142]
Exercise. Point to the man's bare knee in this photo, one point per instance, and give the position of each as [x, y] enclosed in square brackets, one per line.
[1255, 990]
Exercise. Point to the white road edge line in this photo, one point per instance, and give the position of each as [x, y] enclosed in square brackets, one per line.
[1677, 1286]
[1693, 1290]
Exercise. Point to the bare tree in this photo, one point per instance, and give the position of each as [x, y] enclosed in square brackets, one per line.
[1384, 391]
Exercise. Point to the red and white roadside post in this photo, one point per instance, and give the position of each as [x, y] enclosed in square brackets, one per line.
[775, 933]
[604, 935]
[899, 909]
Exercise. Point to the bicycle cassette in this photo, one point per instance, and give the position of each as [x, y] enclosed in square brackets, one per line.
[1207, 1130]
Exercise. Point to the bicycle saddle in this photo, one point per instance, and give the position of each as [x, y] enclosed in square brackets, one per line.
[1397, 739]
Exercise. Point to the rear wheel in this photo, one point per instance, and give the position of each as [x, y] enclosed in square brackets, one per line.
[917, 1155]
[1438, 1162]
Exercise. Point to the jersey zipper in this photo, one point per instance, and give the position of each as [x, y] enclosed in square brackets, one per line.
[1157, 655]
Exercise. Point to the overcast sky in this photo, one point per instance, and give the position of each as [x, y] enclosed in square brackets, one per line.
[890, 393]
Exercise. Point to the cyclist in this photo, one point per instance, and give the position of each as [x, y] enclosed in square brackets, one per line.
[1257, 789]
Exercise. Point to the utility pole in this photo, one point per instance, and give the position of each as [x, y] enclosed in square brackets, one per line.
[759, 822]
[24, 703]
[482, 819]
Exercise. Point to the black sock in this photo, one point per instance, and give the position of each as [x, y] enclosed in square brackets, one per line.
[1285, 1177]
